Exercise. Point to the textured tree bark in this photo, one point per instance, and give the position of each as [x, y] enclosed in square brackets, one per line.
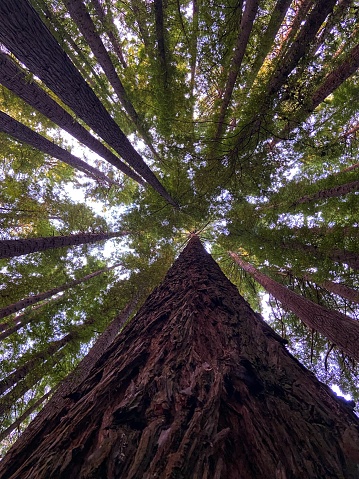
[337, 327]
[24, 34]
[13, 308]
[334, 192]
[15, 80]
[22, 133]
[197, 386]
[12, 248]
[342, 290]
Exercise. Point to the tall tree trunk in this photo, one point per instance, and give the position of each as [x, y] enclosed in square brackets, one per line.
[337, 255]
[72, 381]
[81, 17]
[306, 35]
[18, 247]
[197, 385]
[25, 415]
[24, 34]
[249, 15]
[267, 39]
[22, 133]
[15, 80]
[335, 78]
[24, 303]
[342, 290]
[334, 192]
[42, 356]
[23, 319]
[107, 20]
[340, 329]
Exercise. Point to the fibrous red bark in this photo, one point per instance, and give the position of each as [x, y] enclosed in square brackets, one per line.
[197, 386]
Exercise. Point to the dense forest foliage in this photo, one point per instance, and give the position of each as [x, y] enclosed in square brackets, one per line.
[234, 119]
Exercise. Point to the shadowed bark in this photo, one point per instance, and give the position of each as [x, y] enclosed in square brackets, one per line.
[334, 192]
[83, 20]
[197, 385]
[22, 133]
[337, 327]
[15, 80]
[11, 248]
[110, 30]
[30, 41]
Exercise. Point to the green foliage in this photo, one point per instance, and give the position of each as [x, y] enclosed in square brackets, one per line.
[239, 192]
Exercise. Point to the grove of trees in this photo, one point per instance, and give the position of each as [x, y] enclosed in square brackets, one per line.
[128, 127]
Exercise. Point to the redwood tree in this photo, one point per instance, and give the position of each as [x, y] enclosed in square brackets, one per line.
[196, 386]
[18, 247]
[339, 328]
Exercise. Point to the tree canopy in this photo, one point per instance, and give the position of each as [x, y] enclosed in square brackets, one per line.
[237, 120]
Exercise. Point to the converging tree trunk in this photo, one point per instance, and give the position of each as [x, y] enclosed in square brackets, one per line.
[24, 134]
[196, 386]
[82, 18]
[24, 34]
[41, 356]
[13, 308]
[18, 247]
[340, 329]
[342, 290]
[15, 80]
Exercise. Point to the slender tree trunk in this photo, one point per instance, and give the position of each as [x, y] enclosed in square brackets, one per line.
[17, 392]
[110, 30]
[297, 50]
[24, 303]
[81, 17]
[160, 41]
[24, 134]
[249, 14]
[72, 381]
[342, 290]
[197, 386]
[340, 329]
[11, 248]
[267, 39]
[335, 78]
[24, 34]
[337, 255]
[15, 80]
[22, 320]
[42, 356]
[6, 432]
[334, 192]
